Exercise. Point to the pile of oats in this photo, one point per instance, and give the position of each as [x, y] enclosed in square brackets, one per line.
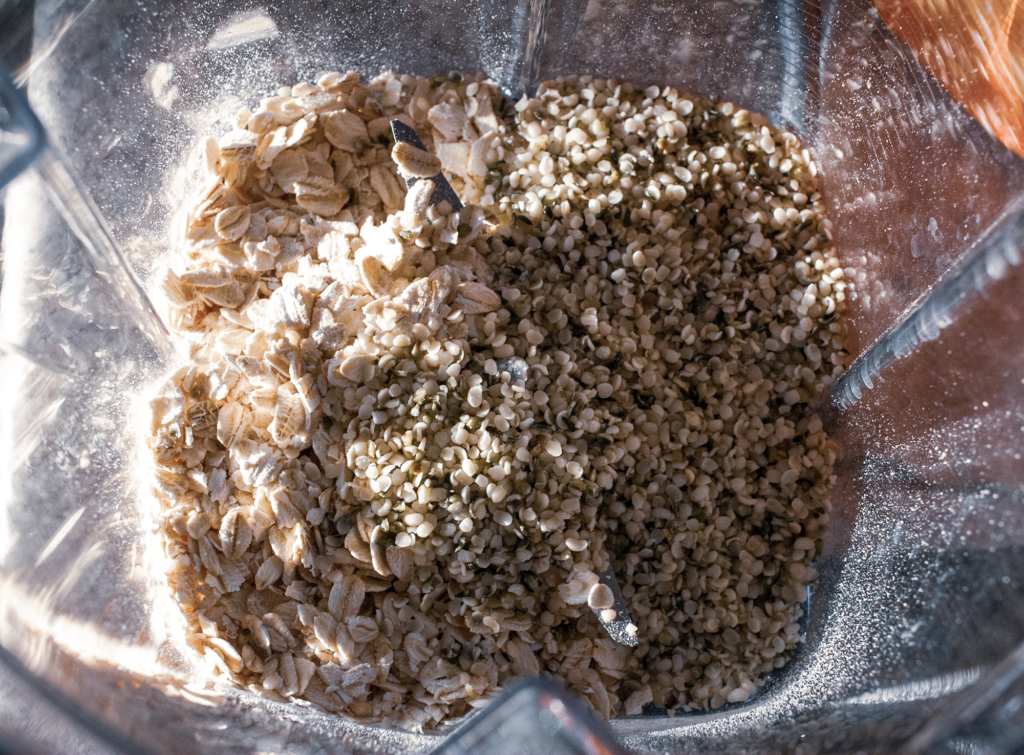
[410, 437]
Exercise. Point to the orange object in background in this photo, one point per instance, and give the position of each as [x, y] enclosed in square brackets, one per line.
[975, 50]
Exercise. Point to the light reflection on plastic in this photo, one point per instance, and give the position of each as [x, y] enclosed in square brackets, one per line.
[59, 535]
[241, 29]
[924, 689]
[591, 745]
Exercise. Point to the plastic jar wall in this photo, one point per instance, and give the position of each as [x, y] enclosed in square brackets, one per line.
[915, 633]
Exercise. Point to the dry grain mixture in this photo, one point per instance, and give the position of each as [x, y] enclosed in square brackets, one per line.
[359, 505]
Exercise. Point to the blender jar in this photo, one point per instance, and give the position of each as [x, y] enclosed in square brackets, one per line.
[914, 638]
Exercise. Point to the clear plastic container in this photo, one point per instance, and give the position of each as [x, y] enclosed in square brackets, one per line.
[915, 635]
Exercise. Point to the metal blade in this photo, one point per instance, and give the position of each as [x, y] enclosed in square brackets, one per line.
[619, 629]
[443, 190]
[516, 367]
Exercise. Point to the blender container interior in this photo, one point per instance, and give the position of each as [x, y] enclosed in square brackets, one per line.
[914, 639]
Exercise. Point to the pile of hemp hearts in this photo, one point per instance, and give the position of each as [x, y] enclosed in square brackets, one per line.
[361, 507]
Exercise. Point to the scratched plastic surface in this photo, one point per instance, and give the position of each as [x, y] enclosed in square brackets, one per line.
[917, 621]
